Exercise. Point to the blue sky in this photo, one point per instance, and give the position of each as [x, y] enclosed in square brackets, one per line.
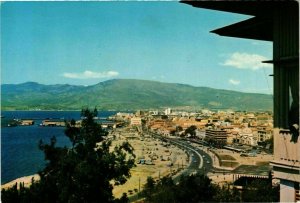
[84, 43]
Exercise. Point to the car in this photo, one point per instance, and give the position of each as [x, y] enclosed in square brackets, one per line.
[252, 154]
[170, 164]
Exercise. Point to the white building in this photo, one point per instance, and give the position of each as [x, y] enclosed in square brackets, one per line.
[247, 137]
[168, 111]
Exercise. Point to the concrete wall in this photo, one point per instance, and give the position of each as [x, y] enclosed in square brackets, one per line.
[287, 191]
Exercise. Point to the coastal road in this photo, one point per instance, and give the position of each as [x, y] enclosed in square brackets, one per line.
[200, 161]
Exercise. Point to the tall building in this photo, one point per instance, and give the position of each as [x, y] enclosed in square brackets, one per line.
[168, 111]
[216, 137]
[276, 21]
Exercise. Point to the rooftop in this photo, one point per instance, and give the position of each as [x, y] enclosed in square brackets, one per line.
[259, 27]
[253, 170]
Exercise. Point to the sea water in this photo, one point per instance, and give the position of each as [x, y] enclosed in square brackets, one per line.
[20, 154]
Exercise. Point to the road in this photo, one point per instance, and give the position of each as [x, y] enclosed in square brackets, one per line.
[200, 160]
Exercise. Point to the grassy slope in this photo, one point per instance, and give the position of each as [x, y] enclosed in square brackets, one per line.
[123, 94]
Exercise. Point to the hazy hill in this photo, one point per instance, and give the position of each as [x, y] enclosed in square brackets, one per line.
[127, 94]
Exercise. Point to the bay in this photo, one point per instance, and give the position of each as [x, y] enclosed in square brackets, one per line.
[20, 155]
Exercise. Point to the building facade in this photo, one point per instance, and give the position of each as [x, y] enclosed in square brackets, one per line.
[278, 22]
[216, 137]
[136, 121]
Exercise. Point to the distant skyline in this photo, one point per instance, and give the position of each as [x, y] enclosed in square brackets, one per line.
[84, 43]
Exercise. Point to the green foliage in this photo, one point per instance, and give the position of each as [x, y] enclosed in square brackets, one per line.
[164, 117]
[82, 173]
[198, 188]
[179, 128]
[260, 191]
[149, 188]
[124, 94]
[194, 188]
[10, 195]
[191, 130]
[227, 194]
[165, 191]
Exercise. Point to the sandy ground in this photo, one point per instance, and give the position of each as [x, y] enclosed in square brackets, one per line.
[162, 157]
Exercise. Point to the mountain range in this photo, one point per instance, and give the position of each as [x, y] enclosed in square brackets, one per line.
[128, 94]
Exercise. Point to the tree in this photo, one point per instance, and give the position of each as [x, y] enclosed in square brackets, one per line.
[195, 188]
[165, 191]
[227, 194]
[191, 130]
[199, 188]
[227, 120]
[173, 132]
[84, 172]
[179, 128]
[149, 188]
[164, 117]
[260, 191]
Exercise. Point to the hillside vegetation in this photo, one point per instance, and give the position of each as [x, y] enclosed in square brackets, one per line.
[127, 94]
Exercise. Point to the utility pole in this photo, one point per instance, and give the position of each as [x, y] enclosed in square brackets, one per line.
[139, 184]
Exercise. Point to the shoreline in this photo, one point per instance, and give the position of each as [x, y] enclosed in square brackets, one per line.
[25, 179]
[159, 168]
[37, 110]
[79, 110]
